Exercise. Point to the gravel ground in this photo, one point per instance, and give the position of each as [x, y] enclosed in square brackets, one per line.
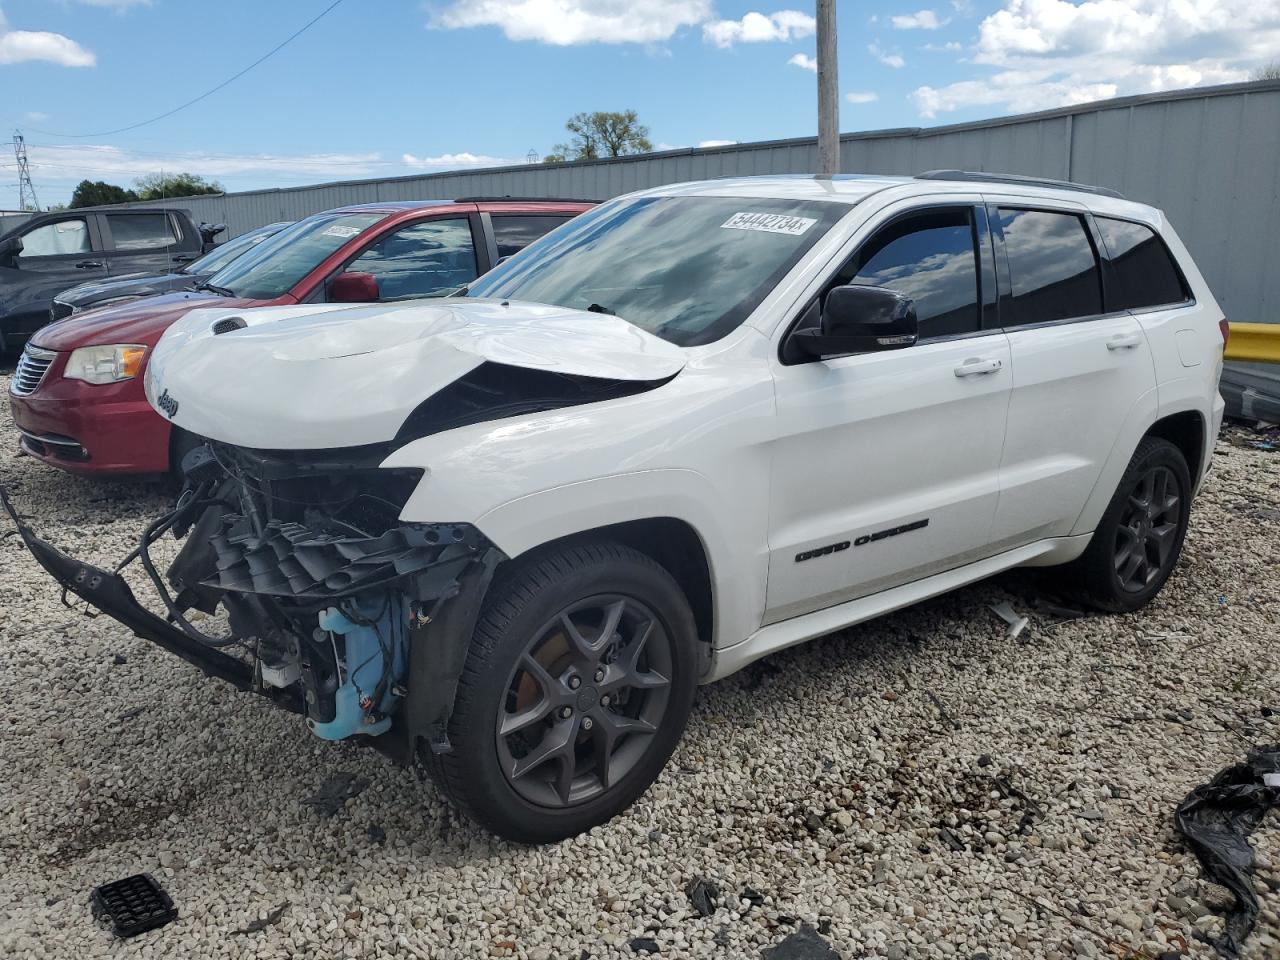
[811, 790]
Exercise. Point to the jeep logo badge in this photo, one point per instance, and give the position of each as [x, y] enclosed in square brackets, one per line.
[167, 404]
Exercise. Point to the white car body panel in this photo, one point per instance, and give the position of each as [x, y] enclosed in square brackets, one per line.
[390, 357]
[762, 460]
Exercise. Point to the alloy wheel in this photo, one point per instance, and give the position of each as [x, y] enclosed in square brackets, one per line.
[1148, 529]
[584, 701]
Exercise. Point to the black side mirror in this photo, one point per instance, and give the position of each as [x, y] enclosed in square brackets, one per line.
[859, 319]
[10, 247]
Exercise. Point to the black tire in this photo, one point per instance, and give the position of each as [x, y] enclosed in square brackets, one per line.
[1101, 576]
[519, 620]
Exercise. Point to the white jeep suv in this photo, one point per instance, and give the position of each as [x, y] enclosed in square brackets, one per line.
[508, 531]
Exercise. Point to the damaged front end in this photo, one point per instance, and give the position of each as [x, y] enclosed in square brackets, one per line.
[333, 607]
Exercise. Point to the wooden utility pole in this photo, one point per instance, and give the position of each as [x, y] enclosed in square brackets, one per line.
[828, 91]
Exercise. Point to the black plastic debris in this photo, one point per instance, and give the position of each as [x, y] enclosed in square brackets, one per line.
[805, 944]
[645, 945]
[133, 905]
[703, 894]
[1217, 818]
[335, 792]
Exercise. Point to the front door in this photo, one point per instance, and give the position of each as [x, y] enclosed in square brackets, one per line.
[55, 255]
[1078, 369]
[886, 464]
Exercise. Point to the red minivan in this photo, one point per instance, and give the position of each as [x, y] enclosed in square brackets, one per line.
[77, 396]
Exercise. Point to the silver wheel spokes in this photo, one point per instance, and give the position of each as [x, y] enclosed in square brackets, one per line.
[1148, 529]
[584, 700]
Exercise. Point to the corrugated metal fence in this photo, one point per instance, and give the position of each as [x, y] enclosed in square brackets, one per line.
[1209, 157]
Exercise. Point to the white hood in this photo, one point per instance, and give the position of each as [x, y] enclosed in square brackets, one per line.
[341, 375]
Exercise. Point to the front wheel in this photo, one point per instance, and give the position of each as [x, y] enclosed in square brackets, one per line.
[575, 692]
[1139, 538]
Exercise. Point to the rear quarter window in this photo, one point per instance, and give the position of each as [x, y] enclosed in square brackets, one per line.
[1146, 275]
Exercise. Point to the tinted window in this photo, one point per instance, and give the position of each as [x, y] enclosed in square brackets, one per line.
[513, 234]
[65, 236]
[224, 253]
[1052, 267]
[420, 259]
[687, 269]
[1146, 275]
[930, 258]
[140, 231]
[273, 267]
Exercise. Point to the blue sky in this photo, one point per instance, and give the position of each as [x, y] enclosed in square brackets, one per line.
[390, 88]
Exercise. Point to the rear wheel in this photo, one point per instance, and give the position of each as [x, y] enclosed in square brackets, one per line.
[575, 692]
[1139, 538]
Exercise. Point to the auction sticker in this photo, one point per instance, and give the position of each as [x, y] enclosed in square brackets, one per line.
[338, 230]
[769, 223]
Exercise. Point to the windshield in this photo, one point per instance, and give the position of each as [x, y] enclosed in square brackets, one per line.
[273, 267]
[687, 269]
[224, 253]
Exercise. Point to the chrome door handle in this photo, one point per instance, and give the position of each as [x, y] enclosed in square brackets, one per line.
[977, 367]
[1126, 341]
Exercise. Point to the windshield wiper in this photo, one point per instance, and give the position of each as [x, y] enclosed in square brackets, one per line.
[220, 291]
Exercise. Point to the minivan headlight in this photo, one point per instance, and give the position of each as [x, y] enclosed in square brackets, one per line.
[108, 363]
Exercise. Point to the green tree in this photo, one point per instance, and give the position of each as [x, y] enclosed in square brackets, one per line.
[159, 186]
[1268, 71]
[603, 134]
[91, 193]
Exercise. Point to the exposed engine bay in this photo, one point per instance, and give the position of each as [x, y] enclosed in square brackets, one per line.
[333, 607]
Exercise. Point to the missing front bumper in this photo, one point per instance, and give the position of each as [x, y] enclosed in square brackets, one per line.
[109, 593]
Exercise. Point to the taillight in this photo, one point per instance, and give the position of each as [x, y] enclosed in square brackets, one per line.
[1226, 331]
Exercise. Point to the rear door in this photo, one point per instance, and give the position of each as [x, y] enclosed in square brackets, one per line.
[1078, 367]
[886, 464]
[56, 254]
[147, 241]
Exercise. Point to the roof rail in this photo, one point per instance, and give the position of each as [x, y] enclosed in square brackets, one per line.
[522, 200]
[976, 176]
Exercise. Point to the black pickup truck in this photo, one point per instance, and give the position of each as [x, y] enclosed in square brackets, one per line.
[46, 254]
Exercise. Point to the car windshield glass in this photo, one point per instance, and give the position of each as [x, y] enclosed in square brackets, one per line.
[224, 253]
[687, 269]
[273, 267]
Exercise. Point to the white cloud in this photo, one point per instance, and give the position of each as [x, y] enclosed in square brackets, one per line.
[35, 116]
[888, 59]
[804, 62]
[1049, 53]
[105, 162]
[759, 28]
[862, 96]
[20, 46]
[452, 160]
[920, 20]
[568, 22]
[716, 143]
[949, 47]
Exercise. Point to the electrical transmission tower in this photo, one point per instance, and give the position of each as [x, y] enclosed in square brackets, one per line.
[26, 189]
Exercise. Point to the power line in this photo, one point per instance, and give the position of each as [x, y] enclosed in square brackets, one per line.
[168, 113]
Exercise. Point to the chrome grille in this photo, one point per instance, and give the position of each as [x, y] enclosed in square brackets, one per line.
[32, 366]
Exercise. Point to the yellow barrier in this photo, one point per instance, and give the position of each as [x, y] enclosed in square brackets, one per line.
[1256, 342]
